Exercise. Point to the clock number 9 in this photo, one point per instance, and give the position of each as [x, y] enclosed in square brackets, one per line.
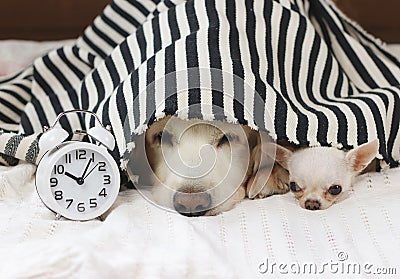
[53, 182]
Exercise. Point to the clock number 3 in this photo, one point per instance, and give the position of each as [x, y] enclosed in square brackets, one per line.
[106, 179]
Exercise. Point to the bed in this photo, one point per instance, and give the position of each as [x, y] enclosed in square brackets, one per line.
[273, 237]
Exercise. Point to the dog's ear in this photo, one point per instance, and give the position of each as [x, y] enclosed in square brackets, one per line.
[263, 158]
[257, 182]
[360, 157]
[282, 155]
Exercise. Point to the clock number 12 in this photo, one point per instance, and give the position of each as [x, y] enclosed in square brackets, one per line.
[80, 154]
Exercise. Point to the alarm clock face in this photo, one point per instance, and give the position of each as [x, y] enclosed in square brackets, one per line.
[83, 181]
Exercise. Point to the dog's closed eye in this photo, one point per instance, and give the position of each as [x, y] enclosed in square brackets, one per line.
[163, 137]
[226, 139]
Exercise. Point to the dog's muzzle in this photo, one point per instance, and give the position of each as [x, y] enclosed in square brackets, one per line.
[312, 204]
[191, 203]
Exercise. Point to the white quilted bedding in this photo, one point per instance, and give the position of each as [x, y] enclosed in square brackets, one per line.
[356, 238]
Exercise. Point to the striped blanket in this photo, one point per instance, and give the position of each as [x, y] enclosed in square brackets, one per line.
[298, 69]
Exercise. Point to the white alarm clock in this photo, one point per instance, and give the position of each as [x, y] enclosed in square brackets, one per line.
[77, 180]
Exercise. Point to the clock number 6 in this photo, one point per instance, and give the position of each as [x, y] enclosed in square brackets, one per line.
[81, 207]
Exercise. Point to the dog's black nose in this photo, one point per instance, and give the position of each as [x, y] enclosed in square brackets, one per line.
[312, 204]
[192, 204]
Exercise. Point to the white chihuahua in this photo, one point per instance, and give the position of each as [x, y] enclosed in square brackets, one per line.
[318, 176]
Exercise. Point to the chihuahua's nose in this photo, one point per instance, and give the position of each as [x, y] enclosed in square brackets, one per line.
[192, 204]
[312, 204]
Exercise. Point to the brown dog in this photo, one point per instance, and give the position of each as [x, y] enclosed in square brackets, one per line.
[203, 168]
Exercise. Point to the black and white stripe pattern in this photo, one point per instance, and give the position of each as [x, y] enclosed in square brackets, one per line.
[296, 68]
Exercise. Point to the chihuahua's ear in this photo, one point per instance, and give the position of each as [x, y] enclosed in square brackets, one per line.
[282, 155]
[360, 157]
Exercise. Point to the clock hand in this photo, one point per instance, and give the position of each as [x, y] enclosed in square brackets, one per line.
[91, 171]
[86, 168]
[71, 176]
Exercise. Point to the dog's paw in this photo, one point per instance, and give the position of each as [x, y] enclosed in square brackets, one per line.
[277, 183]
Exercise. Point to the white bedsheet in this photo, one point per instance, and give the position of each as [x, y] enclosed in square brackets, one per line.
[139, 240]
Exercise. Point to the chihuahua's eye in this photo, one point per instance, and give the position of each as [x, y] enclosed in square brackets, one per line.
[294, 187]
[335, 190]
[163, 137]
[226, 139]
